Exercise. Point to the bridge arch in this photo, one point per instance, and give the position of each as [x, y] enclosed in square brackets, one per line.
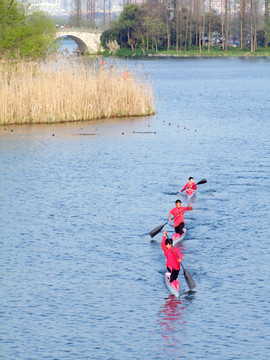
[82, 47]
[88, 42]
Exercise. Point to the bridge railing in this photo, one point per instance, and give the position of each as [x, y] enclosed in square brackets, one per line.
[73, 29]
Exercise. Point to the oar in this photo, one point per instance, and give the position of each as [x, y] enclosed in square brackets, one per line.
[157, 229]
[203, 181]
[189, 280]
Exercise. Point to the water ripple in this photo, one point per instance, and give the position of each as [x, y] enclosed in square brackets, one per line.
[80, 276]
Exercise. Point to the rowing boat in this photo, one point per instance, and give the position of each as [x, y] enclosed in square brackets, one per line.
[190, 193]
[174, 287]
[177, 237]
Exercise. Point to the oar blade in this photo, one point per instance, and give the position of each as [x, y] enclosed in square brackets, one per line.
[156, 230]
[190, 282]
[203, 181]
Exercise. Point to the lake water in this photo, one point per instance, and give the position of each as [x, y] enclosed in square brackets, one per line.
[80, 276]
[66, 45]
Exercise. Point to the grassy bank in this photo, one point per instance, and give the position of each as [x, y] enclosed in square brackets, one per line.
[194, 52]
[69, 91]
[217, 51]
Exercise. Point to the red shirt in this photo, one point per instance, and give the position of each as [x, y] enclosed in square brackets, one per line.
[190, 186]
[172, 255]
[178, 214]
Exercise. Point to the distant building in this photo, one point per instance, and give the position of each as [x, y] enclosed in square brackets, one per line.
[53, 7]
[64, 7]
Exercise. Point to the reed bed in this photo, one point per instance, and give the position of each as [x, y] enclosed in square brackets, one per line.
[70, 91]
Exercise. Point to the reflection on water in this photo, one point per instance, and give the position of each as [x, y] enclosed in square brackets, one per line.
[171, 317]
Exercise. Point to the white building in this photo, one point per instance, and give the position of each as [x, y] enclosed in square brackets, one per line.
[53, 7]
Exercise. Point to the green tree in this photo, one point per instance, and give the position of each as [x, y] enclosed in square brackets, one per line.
[154, 25]
[23, 33]
[128, 23]
[110, 35]
[157, 32]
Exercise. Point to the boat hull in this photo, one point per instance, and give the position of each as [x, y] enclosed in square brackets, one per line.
[177, 237]
[171, 287]
[190, 193]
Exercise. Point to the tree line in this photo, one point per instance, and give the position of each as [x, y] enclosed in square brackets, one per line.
[24, 32]
[181, 25]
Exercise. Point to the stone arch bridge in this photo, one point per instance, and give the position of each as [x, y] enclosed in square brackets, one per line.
[88, 42]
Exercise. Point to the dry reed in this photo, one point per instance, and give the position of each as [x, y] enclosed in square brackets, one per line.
[69, 91]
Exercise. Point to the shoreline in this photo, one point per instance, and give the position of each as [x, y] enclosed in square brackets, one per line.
[193, 53]
[125, 126]
[247, 55]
